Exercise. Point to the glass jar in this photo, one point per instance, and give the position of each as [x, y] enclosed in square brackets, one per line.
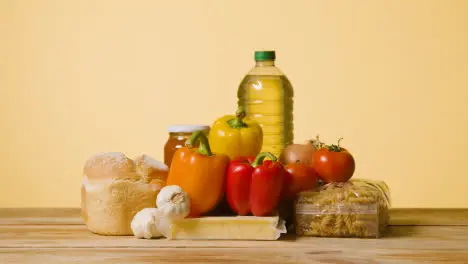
[178, 134]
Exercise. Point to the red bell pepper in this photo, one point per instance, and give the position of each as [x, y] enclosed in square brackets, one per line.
[254, 185]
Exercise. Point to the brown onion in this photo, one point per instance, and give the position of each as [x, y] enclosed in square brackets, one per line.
[298, 153]
[302, 153]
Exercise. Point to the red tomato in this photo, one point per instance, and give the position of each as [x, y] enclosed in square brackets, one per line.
[298, 177]
[333, 163]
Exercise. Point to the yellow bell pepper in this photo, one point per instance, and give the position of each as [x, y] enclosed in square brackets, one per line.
[236, 136]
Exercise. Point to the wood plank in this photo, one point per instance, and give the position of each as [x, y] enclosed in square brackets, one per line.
[429, 216]
[408, 237]
[60, 236]
[40, 216]
[313, 254]
[72, 216]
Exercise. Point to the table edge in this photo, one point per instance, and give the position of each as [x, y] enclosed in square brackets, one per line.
[72, 216]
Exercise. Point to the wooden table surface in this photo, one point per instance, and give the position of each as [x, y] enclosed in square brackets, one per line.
[59, 236]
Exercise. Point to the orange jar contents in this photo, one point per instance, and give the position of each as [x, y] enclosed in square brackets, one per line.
[178, 134]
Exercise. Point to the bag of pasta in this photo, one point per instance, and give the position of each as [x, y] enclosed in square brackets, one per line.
[357, 208]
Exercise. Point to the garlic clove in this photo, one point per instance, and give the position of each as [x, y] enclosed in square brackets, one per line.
[164, 226]
[145, 223]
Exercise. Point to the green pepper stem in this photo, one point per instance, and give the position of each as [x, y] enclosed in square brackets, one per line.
[261, 156]
[204, 146]
[237, 121]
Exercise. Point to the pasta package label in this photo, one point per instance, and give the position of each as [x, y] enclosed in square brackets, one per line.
[358, 208]
[338, 209]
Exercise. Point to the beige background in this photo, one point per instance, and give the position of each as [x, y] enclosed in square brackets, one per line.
[80, 77]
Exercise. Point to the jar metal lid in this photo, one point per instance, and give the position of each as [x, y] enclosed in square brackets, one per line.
[186, 128]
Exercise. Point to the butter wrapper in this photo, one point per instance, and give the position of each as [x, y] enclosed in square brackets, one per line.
[226, 228]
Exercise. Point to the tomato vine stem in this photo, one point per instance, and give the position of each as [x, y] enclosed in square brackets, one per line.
[336, 148]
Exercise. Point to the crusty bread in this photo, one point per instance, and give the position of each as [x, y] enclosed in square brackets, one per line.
[115, 188]
[148, 167]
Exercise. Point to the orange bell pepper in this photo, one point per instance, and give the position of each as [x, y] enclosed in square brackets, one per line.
[200, 173]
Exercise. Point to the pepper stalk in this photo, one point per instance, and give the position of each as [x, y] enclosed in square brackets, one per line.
[237, 121]
[204, 146]
[261, 156]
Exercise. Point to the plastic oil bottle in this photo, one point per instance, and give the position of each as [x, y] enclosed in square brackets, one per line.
[267, 96]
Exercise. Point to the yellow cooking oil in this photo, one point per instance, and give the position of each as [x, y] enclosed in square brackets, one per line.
[267, 96]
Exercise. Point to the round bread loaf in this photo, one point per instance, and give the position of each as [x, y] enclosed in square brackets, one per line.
[116, 187]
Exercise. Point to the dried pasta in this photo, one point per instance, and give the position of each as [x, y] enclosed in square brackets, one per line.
[358, 208]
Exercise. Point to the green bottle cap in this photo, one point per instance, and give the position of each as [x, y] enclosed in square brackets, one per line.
[265, 55]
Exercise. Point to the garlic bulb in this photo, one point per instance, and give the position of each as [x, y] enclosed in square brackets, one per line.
[174, 202]
[146, 223]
